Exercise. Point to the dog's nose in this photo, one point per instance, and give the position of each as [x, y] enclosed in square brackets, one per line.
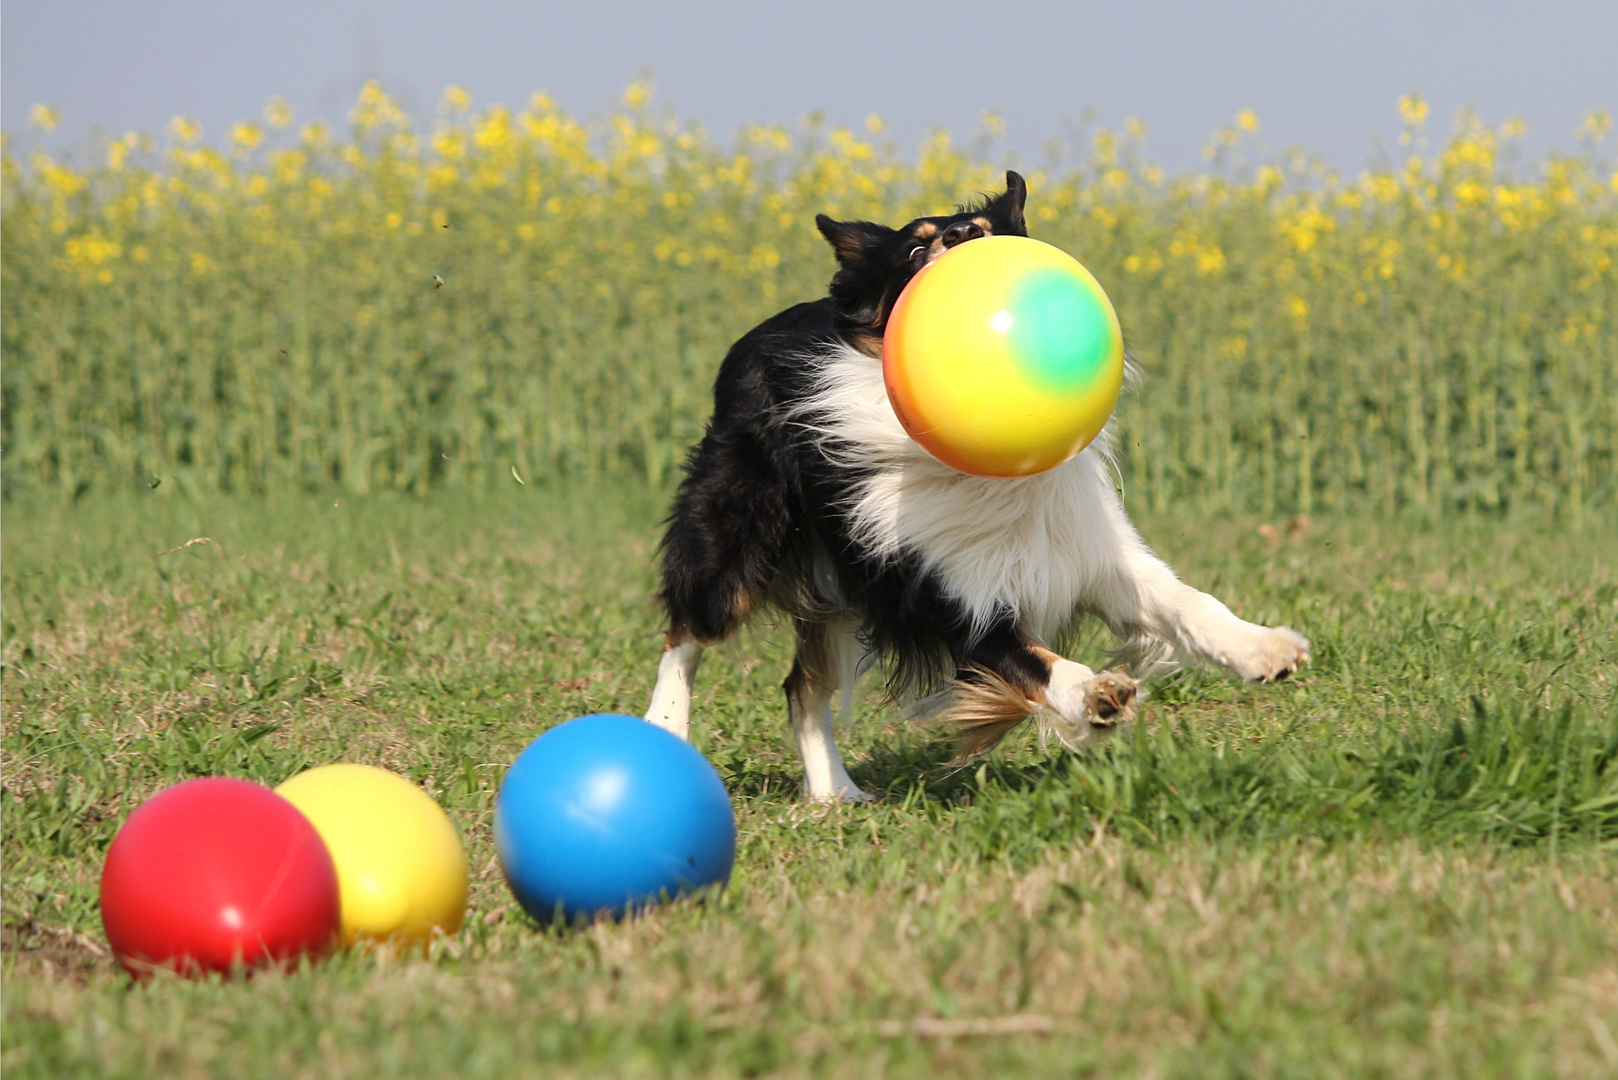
[960, 232]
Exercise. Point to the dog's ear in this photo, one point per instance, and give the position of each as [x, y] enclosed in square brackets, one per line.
[851, 239]
[1009, 204]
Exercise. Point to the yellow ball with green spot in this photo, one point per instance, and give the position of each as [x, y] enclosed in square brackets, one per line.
[1003, 357]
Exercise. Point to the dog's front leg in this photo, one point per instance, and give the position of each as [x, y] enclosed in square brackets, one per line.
[1142, 600]
[1158, 607]
[1082, 705]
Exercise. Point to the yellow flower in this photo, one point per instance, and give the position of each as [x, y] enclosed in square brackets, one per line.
[63, 182]
[456, 99]
[494, 131]
[277, 113]
[88, 252]
[1306, 229]
[1413, 109]
[638, 93]
[1104, 146]
[43, 117]
[1247, 120]
[442, 178]
[1383, 188]
[450, 144]
[247, 136]
[185, 130]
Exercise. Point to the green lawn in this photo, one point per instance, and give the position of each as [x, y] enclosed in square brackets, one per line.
[1403, 863]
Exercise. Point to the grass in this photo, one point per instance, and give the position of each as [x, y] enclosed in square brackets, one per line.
[1401, 864]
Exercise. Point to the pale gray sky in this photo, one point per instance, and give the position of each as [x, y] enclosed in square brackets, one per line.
[1322, 75]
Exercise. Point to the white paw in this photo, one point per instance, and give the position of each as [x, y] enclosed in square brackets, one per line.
[1082, 705]
[1267, 654]
[845, 792]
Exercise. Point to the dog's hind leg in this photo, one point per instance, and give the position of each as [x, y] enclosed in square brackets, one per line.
[828, 659]
[722, 548]
[671, 698]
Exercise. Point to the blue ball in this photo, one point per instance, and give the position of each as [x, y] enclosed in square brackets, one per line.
[608, 813]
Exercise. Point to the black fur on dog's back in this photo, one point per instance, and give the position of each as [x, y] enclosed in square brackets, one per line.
[759, 516]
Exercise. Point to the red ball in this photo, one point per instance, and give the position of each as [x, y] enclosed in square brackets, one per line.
[216, 873]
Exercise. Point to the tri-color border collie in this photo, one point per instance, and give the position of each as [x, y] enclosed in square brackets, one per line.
[806, 495]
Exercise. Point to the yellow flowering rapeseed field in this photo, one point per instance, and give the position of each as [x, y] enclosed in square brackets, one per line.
[396, 308]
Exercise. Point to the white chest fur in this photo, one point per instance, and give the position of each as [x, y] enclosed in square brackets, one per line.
[1035, 545]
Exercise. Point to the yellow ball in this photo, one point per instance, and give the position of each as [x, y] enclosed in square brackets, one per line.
[401, 869]
[1004, 357]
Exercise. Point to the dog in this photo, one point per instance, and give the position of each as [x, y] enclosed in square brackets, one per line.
[805, 495]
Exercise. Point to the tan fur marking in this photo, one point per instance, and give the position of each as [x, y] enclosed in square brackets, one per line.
[1047, 657]
[926, 230]
[868, 342]
[983, 223]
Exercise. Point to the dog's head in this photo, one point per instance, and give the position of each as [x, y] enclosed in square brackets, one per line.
[874, 262]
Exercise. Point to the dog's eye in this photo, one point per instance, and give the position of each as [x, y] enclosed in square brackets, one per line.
[917, 250]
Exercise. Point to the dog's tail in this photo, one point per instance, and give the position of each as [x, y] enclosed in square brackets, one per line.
[982, 708]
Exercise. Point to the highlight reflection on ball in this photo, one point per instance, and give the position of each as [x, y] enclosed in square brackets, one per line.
[1003, 357]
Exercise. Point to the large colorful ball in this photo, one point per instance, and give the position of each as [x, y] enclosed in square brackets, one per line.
[1003, 357]
[215, 874]
[609, 813]
[400, 863]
